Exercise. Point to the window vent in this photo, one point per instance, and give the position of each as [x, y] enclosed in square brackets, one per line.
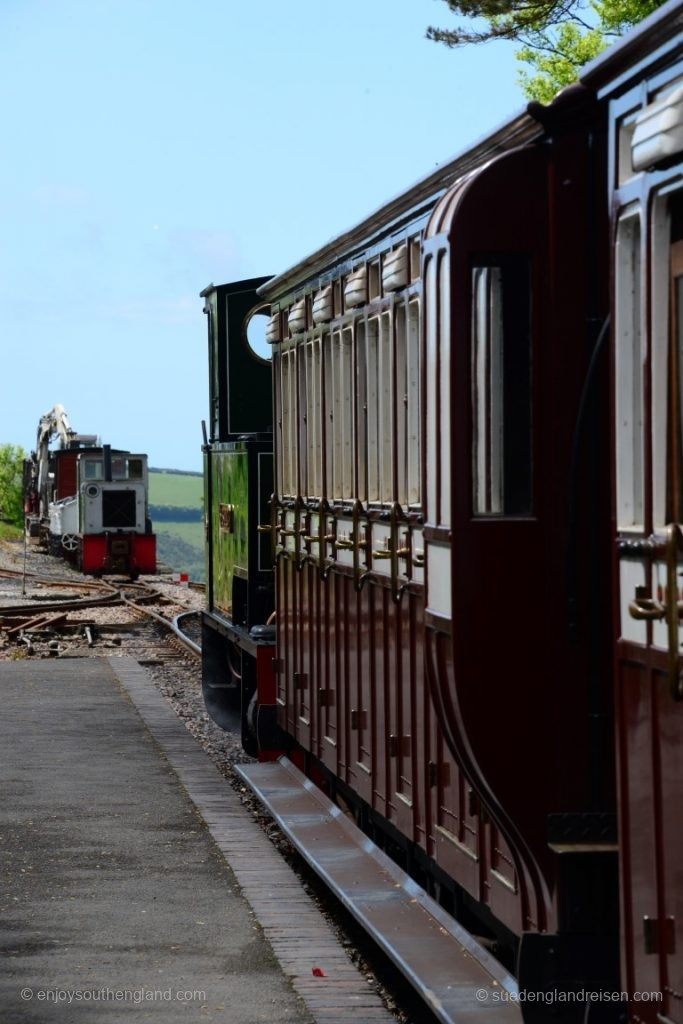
[322, 305]
[273, 329]
[395, 269]
[297, 317]
[658, 133]
[356, 290]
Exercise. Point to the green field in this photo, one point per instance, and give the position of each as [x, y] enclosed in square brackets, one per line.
[189, 533]
[180, 545]
[180, 489]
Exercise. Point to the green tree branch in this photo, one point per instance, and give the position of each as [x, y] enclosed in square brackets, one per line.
[556, 37]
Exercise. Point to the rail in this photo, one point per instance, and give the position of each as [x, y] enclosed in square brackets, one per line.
[135, 595]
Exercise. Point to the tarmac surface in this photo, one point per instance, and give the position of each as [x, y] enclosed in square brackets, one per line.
[115, 902]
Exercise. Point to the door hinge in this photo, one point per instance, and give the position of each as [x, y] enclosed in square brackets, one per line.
[399, 745]
[652, 935]
[300, 680]
[438, 774]
[359, 719]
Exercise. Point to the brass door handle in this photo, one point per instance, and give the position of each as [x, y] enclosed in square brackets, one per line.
[646, 608]
[674, 542]
[649, 609]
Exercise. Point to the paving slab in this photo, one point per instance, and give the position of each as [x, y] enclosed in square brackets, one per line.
[116, 904]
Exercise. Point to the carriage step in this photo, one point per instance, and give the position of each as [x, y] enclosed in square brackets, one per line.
[455, 975]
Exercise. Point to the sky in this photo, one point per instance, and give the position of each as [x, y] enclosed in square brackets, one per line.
[150, 147]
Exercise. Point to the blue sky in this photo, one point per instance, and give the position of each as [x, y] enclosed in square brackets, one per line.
[149, 147]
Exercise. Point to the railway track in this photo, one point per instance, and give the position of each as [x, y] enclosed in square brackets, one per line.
[46, 619]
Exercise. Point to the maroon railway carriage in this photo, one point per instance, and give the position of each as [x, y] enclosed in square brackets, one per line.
[441, 539]
[641, 84]
[463, 656]
[436, 482]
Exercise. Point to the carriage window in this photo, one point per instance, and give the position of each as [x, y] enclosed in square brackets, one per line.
[346, 403]
[311, 427]
[371, 402]
[385, 409]
[338, 374]
[288, 407]
[407, 403]
[362, 411]
[674, 225]
[676, 483]
[387, 458]
[629, 375]
[304, 423]
[375, 393]
[501, 388]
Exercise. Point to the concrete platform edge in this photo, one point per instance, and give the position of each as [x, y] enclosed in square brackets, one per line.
[300, 937]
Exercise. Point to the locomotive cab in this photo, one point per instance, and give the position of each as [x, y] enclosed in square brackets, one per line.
[237, 636]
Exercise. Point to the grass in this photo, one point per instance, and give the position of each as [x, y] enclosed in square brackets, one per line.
[10, 532]
[176, 489]
[179, 544]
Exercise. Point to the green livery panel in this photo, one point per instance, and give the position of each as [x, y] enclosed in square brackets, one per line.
[229, 524]
[239, 482]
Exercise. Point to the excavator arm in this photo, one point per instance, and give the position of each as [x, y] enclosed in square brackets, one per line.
[54, 423]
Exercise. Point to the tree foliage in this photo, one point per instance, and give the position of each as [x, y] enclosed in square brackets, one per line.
[12, 483]
[557, 36]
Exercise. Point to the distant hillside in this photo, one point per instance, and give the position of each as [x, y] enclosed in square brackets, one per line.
[179, 490]
[176, 507]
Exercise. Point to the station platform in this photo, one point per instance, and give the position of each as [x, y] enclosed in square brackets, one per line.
[135, 885]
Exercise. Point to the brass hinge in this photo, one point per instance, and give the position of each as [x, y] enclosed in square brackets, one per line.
[300, 680]
[652, 933]
[475, 807]
[359, 719]
[438, 773]
[399, 745]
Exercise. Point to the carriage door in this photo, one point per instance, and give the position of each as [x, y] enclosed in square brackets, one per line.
[649, 507]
